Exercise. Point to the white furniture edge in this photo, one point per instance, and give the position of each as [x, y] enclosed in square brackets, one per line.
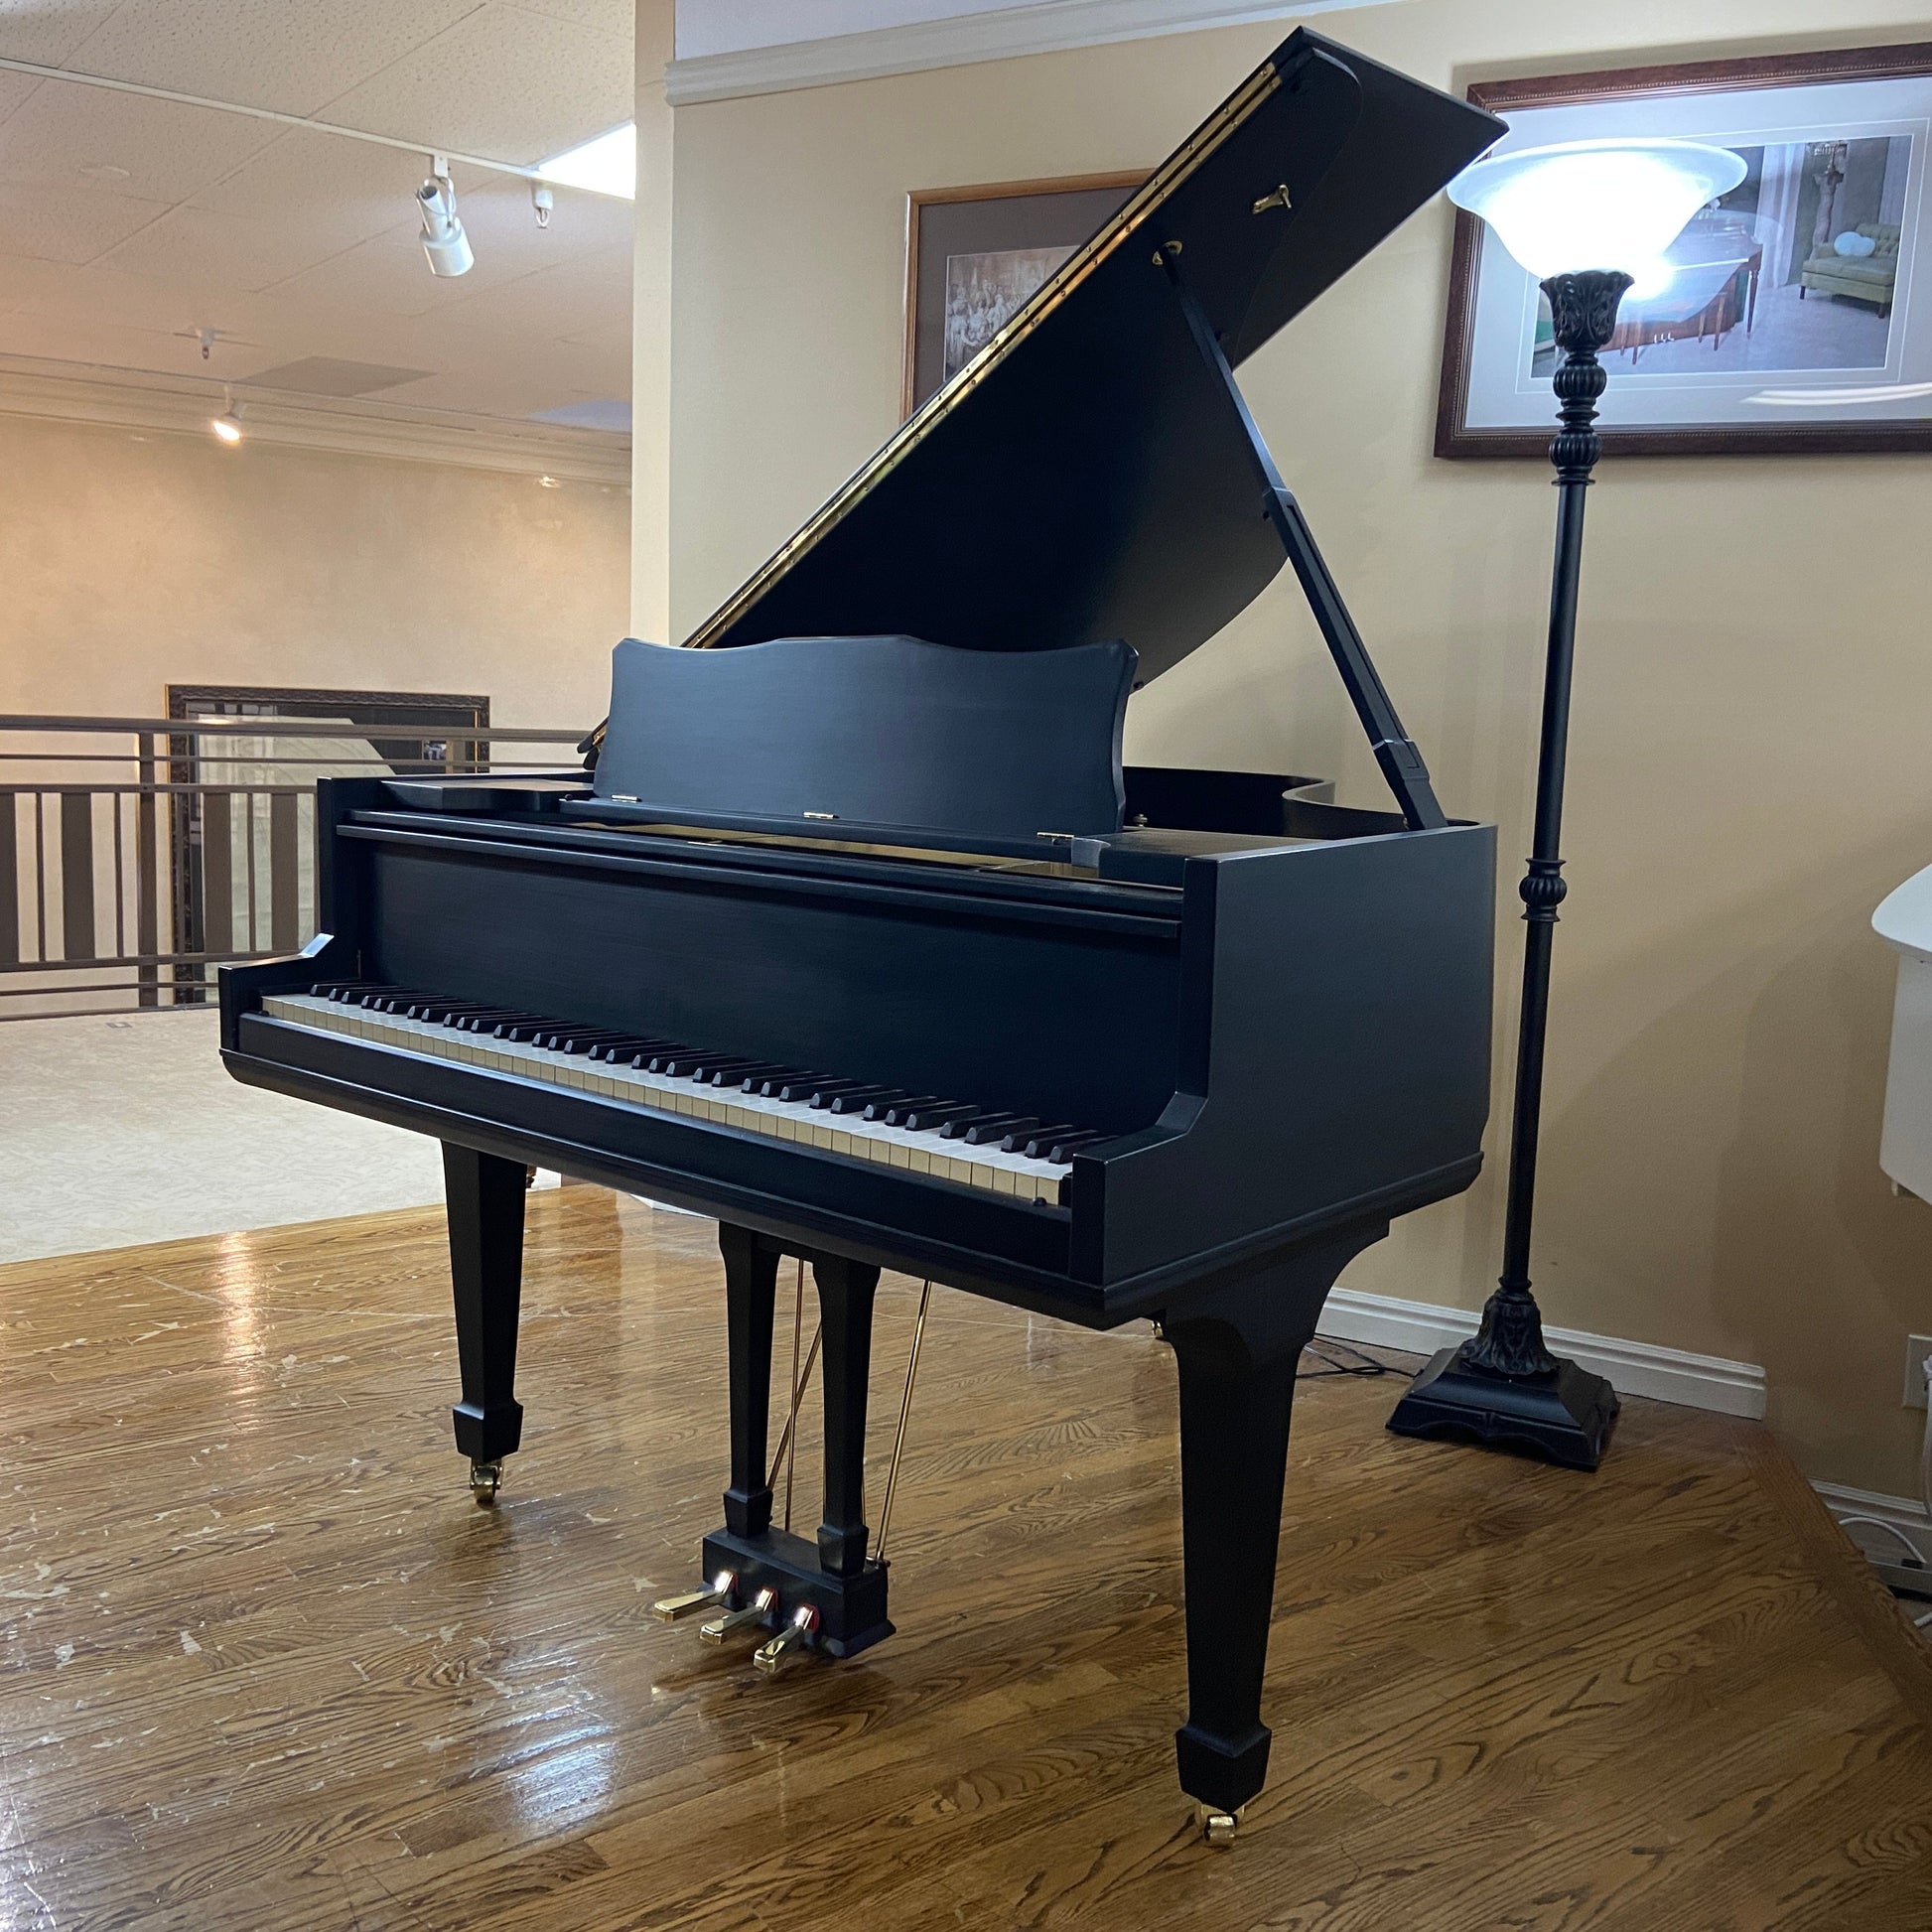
[1632, 1367]
[128, 399]
[1050, 27]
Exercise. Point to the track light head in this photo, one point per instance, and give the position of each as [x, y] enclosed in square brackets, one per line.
[228, 426]
[443, 240]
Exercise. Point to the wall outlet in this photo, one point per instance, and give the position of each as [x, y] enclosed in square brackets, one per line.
[1917, 1347]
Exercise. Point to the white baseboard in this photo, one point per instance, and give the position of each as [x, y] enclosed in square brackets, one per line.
[1904, 1512]
[1631, 1367]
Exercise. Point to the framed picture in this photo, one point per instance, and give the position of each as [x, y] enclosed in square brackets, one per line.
[973, 255]
[1787, 316]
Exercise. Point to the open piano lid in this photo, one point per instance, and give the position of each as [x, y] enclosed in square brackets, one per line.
[1082, 477]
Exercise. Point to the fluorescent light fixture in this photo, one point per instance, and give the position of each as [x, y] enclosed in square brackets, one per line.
[1596, 205]
[606, 165]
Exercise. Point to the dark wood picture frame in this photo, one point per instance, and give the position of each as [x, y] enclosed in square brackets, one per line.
[1123, 181]
[1456, 439]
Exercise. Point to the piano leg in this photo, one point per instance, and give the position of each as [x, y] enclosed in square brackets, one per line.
[750, 1283]
[1237, 1347]
[845, 1298]
[484, 1196]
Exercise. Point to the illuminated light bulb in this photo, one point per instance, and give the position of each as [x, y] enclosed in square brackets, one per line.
[228, 426]
[1596, 205]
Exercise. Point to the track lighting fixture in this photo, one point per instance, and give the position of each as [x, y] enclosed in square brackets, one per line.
[444, 241]
[228, 426]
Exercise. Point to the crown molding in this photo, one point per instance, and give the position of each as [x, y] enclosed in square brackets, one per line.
[1049, 27]
[180, 406]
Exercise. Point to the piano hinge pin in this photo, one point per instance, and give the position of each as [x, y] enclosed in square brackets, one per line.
[828, 816]
[755, 1611]
[1219, 1827]
[1275, 197]
[667, 1609]
[485, 1478]
[770, 1656]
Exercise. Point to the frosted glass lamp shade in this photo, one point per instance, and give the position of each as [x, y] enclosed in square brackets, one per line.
[1595, 204]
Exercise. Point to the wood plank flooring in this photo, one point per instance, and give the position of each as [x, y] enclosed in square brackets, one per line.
[267, 1667]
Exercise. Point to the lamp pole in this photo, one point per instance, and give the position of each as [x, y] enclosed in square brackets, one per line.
[1503, 1385]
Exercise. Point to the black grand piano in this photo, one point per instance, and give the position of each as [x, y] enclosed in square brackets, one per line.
[855, 934]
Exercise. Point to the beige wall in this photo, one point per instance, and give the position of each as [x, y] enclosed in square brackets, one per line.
[129, 559]
[1753, 705]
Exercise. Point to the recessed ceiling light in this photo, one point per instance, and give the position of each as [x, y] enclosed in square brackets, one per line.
[606, 164]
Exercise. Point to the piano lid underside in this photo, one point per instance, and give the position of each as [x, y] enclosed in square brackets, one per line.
[1086, 477]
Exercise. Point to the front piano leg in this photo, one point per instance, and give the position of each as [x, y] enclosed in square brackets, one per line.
[484, 1196]
[845, 1298]
[1237, 1347]
[751, 1286]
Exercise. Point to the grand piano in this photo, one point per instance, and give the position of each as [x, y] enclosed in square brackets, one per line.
[855, 933]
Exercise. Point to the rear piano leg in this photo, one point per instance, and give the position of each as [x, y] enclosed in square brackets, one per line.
[1237, 1347]
[484, 1196]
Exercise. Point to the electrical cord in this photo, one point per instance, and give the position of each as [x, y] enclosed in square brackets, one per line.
[1916, 1556]
[1360, 1365]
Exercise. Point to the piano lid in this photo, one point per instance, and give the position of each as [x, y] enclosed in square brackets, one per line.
[1081, 478]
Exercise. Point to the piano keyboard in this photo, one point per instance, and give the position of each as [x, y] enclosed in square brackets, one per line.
[981, 1147]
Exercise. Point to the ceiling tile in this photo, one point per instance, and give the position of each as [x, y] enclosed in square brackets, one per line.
[616, 17]
[340, 191]
[501, 82]
[155, 150]
[70, 221]
[48, 30]
[331, 375]
[289, 55]
[16, 90]
[560, 300]
[239, 251]
[387, 275]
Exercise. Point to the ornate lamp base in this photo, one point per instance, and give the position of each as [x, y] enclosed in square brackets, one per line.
[1565, 1413]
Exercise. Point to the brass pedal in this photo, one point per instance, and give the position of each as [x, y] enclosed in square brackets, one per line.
[668, 1610]
[755, 1611]
[770, 1657]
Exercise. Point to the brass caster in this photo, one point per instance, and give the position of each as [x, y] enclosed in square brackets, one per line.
[485, 1478]
[1218, 1827]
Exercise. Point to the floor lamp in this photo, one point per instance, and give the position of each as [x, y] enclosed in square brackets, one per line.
[1591, 221]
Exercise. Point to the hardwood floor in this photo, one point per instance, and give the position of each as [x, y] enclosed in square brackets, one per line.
[267, 1667]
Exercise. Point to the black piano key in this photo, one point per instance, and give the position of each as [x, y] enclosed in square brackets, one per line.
[746, 1075]
[889, 1111]
[917, 1119]
[706, 1068]
[864, 1101]
[627, 1048]
[830, 1090]
[797, 1087]
[344, 989]
[994, 1128]
[1023, 1140]
[1064, 1150]
[521, 1032]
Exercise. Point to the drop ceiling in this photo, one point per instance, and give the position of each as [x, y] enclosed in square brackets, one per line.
[128, 224]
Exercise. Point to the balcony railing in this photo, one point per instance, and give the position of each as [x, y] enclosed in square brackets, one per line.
[136, 854]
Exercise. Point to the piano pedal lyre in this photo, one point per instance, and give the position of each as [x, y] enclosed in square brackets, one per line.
[1219, 1827]
[485, 1478]
[755, 1611]
[669, 1609]
[770, 1657]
